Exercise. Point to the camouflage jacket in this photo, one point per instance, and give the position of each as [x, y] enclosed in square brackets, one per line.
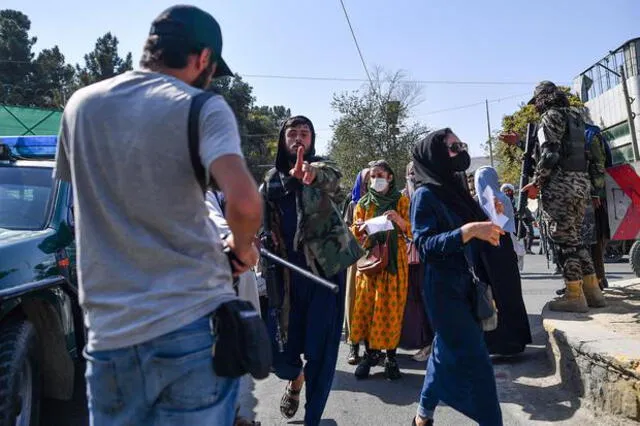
[321, 232]
[328, 245]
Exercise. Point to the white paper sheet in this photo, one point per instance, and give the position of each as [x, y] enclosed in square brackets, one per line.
[378, 224]
[490, 207]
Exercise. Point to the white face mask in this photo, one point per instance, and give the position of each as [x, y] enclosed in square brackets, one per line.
[379, 184]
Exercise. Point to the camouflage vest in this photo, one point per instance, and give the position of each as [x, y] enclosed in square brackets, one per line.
[573, 152]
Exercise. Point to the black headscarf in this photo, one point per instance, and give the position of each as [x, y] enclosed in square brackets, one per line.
[433, 169]
[285, 160]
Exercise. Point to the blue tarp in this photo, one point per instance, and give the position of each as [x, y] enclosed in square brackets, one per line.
[31, 146]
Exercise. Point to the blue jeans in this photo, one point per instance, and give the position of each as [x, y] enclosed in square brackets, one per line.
[166, 381]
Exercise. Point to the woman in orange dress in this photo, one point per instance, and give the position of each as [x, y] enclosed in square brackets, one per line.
[380, 298]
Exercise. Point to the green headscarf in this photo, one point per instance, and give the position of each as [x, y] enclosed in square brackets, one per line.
[383, 203]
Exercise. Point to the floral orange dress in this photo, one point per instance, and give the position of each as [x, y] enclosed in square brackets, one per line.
[380, 299]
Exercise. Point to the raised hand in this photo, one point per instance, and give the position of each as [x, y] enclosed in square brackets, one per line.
[531, 190]
[303, 170]
[297, 171]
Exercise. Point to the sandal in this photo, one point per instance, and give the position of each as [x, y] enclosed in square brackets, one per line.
[289, 405]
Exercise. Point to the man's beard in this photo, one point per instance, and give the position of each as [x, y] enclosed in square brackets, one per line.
[204, 78]
[292, 153]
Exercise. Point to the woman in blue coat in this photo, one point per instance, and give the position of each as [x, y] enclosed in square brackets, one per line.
[448, 224]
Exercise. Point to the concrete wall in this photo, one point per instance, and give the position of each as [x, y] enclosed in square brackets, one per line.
[609, 108]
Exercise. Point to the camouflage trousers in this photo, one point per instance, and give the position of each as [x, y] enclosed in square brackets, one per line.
[564, 202]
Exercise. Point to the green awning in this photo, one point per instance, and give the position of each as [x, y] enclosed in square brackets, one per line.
[19, 121]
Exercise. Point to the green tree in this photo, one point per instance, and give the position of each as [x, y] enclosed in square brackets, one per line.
[15, 57]
[509, 158]
[258, 125]
[103, 62]
[374, 124]
[52, 79]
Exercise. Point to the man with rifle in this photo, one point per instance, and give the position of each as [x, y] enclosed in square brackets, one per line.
[561, 177]
[303, 225]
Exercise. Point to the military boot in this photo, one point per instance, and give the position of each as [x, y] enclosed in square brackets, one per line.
[592, 292]
[573, 299]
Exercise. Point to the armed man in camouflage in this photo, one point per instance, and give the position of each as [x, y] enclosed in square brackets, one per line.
[562, 178]
[307, 230]
[600, 159]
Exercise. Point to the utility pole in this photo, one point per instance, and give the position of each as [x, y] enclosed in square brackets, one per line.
[630, 115]
[486, 102]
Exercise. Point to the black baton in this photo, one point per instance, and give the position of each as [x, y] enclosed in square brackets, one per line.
[295, 268]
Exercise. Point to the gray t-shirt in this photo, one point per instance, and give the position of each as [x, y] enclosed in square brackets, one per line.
[149, 259]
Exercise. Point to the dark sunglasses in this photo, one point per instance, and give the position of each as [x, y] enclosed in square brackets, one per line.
[458, 147]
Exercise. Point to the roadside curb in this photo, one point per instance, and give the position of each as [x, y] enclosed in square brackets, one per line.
[594, 362]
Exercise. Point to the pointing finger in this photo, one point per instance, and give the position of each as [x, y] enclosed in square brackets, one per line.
[300, 159]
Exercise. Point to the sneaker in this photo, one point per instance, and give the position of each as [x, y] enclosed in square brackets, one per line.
[354, 356]
[391, 369]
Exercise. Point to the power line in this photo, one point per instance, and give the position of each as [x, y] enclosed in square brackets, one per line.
[355, 40]
[455, 108]
[362, 80]
[408, 81]
[474, 104]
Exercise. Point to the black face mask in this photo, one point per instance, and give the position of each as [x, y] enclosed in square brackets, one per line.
[461, 162]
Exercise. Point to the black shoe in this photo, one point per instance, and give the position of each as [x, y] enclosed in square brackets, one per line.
[377, 358]
[363, 368]
[561, 291]
[354, 356]
[391, 369]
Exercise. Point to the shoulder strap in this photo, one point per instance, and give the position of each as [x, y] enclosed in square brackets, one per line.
[197, 102]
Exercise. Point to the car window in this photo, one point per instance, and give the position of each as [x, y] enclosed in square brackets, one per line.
[25, 197]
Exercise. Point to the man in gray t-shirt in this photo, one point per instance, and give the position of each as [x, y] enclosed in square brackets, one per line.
[151, 264]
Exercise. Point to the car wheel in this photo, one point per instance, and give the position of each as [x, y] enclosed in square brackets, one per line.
[20, 380]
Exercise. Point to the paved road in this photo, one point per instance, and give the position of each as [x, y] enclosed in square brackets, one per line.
[529, 393]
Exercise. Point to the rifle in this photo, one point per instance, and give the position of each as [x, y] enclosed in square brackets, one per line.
[544, 239]
[527, 171]
[274, 287]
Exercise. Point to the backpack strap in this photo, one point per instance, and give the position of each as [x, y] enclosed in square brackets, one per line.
[197, 102]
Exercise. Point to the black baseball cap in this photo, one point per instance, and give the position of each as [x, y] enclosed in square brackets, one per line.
[196, 27]
[545, 86]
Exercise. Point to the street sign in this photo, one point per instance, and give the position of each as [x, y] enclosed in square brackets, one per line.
[623, 200]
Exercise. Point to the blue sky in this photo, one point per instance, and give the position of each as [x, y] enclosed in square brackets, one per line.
[454, 40]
